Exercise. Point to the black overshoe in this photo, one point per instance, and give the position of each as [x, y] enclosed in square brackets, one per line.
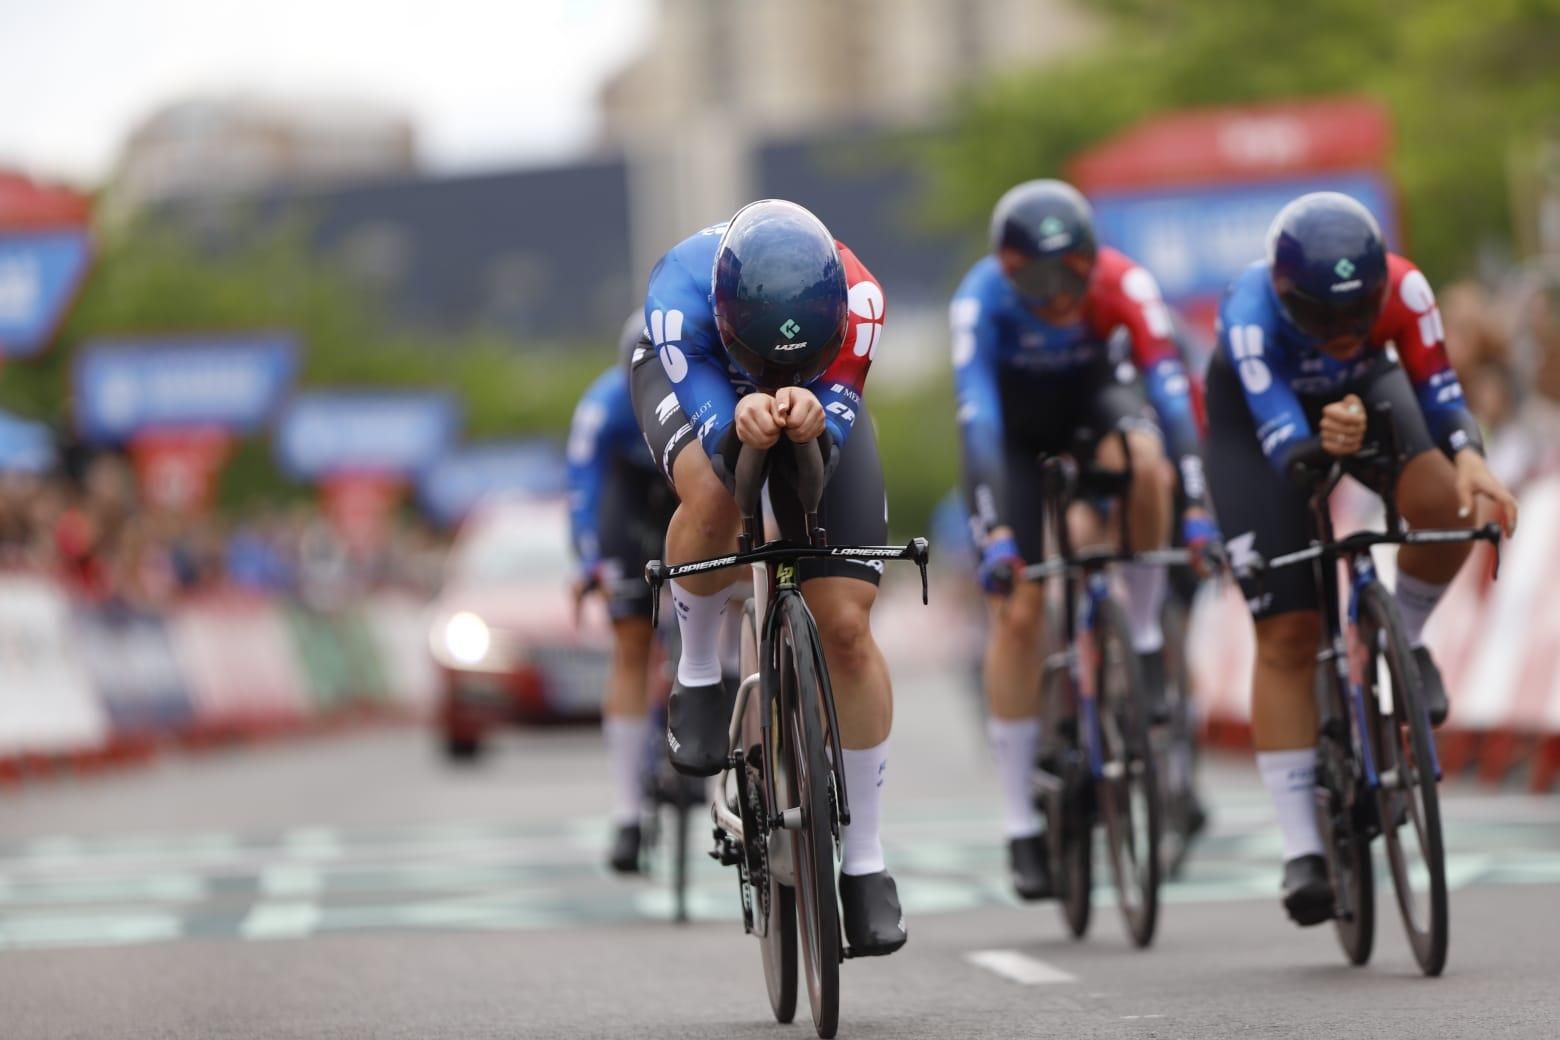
[874, 923]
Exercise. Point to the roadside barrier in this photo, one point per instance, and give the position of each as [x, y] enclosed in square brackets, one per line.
[88, 684]
[1497, 645]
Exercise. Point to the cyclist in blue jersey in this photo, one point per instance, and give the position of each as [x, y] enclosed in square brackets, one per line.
[764, 327]
[618, 511]
[1033, 324]
[1311, 339]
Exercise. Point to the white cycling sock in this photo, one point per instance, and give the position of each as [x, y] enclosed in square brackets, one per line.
[1416, 600]
[698, 619]
[1145, 587]
[1290, 777]
[627, 737]
[1016, 746]
[861, 846]
[731, 640]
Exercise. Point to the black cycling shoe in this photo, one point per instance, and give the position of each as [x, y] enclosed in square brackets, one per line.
[696, 728]
[1029, 864]
[1430, 682]
[1308, 894]
[624, 855]
[874, 923]
[1152, 667]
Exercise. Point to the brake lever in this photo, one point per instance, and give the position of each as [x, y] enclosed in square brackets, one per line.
[920, 552]
[1491, 533]
[655, 575]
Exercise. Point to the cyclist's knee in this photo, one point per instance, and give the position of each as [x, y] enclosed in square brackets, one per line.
[1427, 493]
[844, 616]
[1287, 642]
[705, 500]
[1018, 616]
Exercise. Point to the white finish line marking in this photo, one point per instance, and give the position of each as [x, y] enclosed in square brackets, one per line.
[1018, 967]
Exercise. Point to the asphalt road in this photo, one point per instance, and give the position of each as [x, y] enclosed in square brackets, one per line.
[355, 886]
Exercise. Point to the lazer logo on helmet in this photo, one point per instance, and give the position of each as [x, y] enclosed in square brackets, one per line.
[787, 347]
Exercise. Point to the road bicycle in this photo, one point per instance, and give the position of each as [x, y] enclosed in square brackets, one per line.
[780, 802]
[1376, 764]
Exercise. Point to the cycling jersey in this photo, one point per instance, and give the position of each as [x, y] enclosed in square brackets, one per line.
[1279, 365]
[603, 436]
[1003, 351]
[680, 319]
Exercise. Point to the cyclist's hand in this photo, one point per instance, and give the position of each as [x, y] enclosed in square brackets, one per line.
[800, 413]
[1201, 536]
[1343, 427]
[999, 563]
[1474, 479]
[757, 424]
[588, 581]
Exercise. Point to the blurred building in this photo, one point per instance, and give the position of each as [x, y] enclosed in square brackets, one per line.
[725, 91]
[225, 146]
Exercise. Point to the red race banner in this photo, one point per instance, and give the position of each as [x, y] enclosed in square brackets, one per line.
[360, 505]
[178, 468]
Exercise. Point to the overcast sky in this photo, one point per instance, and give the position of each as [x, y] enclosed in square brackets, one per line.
[485, 83]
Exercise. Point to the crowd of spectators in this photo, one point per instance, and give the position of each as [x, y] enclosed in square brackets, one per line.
[92, 531]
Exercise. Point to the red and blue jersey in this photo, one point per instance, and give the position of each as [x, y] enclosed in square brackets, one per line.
[999, 341]
[1278, 364]
[680, 317]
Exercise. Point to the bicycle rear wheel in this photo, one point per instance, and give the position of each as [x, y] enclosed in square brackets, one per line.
[775, 901]
[1407, 800]
[1129, 790]
[1069, 826]
[1339, 789]
[810, 789]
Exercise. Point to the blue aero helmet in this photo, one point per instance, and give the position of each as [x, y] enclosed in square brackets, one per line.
[1328, 265]
[1047, 227]
[778, 286]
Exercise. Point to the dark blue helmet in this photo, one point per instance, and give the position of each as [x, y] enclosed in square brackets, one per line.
[631, 338]
[781, 303]
[1328, 265]
[1050, 226]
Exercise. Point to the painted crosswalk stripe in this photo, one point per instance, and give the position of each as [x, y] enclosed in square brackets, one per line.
[280, 921]
[1018, 967]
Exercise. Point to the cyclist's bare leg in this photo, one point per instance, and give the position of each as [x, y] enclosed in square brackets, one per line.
[864, 700]
[1150, 502]
[1283, 723]
[623, 720]
[1427, 498]
[1012, 679]
[705, 524]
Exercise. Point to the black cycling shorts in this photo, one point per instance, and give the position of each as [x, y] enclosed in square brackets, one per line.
[1050, 415]
[853, 510]
[1263, 511]
[636, 506]
[661, 419]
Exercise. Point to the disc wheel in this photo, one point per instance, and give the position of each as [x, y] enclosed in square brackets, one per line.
[1129, 789]
[1069, 825]
[808, 788]
[1407, 799]
[1339, 791]
[774, 902]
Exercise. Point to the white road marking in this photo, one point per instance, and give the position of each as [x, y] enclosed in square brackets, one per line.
[1018, 967]
[288, 880]
[280, 921]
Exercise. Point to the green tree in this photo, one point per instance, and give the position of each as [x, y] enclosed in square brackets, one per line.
[1464, 82]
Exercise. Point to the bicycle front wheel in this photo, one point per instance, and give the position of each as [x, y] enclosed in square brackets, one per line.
[775, 901]
[1129, 789]
[1407, 799]
[1069, 826]
[810, 789]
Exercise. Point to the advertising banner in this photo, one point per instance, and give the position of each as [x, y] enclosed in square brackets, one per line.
[232, 382]
[461, 479]
[390, 433]
[47, 702]
[40, 273]
[133, 668]
[178, 469]
[25, 447]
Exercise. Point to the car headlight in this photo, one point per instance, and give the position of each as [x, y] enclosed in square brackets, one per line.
[467, 638]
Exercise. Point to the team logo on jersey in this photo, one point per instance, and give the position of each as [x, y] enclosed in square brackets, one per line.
[665, 331]
[666, 408]
[790, 328]
[866, 306]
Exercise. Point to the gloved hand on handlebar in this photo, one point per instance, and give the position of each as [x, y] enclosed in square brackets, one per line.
[1000, 564]
[1200, 534]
